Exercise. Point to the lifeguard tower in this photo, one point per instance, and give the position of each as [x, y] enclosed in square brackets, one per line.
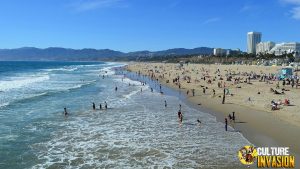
[286, 72]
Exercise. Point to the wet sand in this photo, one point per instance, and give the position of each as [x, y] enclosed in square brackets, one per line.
[254, 119]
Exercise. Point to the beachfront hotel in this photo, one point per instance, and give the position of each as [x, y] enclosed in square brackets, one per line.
[285, 48]
[264, 47]
[253, 38]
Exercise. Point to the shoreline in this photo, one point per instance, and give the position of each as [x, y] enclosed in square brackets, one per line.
[257, 126]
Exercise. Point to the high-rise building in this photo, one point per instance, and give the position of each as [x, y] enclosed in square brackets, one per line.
[253, 38]
[264, 47]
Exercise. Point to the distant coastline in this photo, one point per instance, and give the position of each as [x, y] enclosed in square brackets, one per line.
[66, 54]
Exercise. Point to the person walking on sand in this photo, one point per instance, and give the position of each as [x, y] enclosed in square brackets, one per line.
[226, 123]
[65, 112]
[94, 107]
[233, 116]
[223, 100]
[229, 116]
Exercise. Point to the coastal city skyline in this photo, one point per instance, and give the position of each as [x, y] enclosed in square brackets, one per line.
[138, 25]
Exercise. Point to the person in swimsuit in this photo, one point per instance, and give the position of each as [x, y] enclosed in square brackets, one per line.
[198, 121]
[105, 105]
[65, 112]
[226, 123]
[180, 117]
[94, 106]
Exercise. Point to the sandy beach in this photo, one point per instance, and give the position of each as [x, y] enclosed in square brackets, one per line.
[250, 98]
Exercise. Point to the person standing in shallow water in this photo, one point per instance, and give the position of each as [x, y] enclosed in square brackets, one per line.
[165, 103]
[226, 123]
[65, 112]
[100, 106]
[180, 117]
[105, 105]
[94, 106]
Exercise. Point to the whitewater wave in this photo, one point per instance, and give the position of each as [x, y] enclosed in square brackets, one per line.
[18, 82]
[68, 69]
[4, 104]
[46, 93]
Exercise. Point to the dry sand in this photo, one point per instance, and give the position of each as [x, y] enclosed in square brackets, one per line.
[254, 117]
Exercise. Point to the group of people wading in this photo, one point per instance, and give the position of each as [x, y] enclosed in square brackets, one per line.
[179, 113]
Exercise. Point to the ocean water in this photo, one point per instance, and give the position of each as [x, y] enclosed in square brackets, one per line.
[136, 131]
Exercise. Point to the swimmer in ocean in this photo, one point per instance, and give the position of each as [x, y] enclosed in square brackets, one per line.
[65, 112]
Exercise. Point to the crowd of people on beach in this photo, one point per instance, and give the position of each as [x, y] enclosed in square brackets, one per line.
[153, 77]
[159, 74]
[228, 82]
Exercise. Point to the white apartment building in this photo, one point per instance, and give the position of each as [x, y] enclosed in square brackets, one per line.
[282, 48]
[264, 47]
[220, 52]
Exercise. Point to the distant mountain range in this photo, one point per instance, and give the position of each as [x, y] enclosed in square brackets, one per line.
[65, 54]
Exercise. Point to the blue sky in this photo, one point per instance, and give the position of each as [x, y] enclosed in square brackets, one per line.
[131, 25]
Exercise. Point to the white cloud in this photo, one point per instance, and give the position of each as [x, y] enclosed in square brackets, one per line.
[295, 11]
[246, 8]
[291, 1]
[210, 20]
[87, 5]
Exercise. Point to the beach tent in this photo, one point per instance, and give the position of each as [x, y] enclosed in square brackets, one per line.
[286, 72]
